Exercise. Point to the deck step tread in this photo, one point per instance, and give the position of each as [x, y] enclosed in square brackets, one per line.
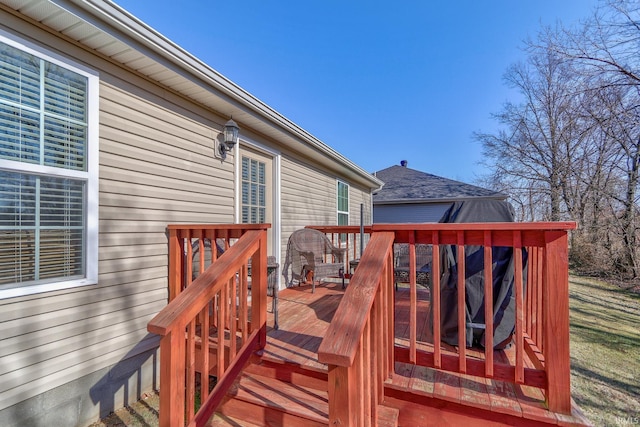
[219, 420]
[387, 416]
[289, 372]
[303, 402]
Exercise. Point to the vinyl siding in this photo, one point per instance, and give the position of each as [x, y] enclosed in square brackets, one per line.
[156, 168]
[309, 198]
[409, 213]
[356, 197]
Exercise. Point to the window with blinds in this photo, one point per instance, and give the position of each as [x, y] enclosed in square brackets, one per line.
[43, 170]
[254, 190]
[343, 203]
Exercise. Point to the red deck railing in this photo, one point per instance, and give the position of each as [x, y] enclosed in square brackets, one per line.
[358, 347]
[541, 334]
[193, 247]
[213, 323]
[212, 305]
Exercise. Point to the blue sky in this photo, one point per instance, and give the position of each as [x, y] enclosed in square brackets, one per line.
[377, 81]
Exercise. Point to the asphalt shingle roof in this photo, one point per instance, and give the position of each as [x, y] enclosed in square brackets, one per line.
[405, 185]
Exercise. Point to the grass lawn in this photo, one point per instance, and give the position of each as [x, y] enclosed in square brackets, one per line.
[605, 351]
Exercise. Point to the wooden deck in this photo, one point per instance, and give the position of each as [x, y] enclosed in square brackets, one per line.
[303, 320]
[424, 395]
[382, 366]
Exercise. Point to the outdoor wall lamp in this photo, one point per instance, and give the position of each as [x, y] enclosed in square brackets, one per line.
[230, 135]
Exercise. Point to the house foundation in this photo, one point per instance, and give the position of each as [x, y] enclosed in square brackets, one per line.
[89, 398]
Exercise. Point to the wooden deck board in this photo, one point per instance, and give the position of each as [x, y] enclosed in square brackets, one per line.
[402, 376]
[474, 392]
[302, 401]
[305, 316]
[303, 319]
[422, 381]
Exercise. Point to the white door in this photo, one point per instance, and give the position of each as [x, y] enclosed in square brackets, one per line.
[256, 190]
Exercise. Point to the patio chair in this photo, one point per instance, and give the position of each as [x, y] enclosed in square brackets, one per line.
[401, 264]
[312, 257]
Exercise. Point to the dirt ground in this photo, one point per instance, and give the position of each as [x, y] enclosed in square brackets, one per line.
[143, 413]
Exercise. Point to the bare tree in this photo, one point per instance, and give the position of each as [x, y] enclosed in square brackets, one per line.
[620, 121]
[570, 147]
[606, 50]
[535, 150]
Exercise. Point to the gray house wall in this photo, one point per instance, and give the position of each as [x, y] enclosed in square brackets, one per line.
[68, 357]
[74, 355]
[409, 213]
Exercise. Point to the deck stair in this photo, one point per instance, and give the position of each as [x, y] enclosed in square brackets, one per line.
[282, 394]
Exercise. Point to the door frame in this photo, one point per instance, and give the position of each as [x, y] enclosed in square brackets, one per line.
[276, 214]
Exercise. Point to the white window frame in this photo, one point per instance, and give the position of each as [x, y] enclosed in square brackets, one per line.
[90, 176]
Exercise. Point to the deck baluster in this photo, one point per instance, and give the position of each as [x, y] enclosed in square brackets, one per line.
[462, 320]
[185, 324]
[488, 303]
[435, 289]
[519, 320]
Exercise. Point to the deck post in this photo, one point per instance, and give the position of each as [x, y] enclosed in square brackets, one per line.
[556, 322]
[175, 264]
[172, 380]
[259, 290]
[343, 396]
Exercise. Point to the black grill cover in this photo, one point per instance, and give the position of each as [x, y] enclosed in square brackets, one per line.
[503, 279]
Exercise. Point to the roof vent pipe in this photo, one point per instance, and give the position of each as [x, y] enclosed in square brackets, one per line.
[403, 163]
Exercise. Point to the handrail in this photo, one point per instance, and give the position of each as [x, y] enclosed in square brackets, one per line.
[541, 305]
[211, 328]
[180, 249]
[542, 334]
[358, 345]
[476, 226]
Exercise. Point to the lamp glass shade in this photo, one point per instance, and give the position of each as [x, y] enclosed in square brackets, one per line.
[231, 133]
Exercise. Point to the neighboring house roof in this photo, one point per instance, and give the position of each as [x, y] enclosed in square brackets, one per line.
[405, 185]
[112, 32]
